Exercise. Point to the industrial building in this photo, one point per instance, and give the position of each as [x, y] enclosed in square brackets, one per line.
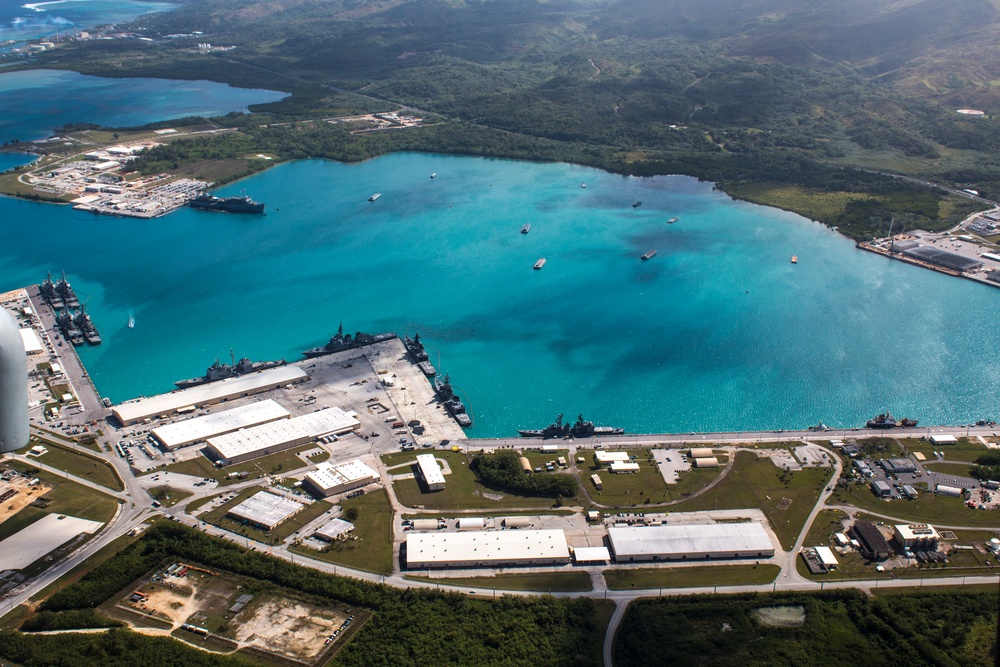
[32, 345]
[881, 489]
[591, 555]
[266, 510]
[898, 466]
[143, 409]
[863, 469]
[943, 440]
[825, 555]
[603, 458]
[690, 542]
[486, 548]
[916, 536]
[870, 540]
[706, 462]
[623, 467]
[333, 529]
[701, 452]
[942, 258]
[430, 472]
[280, 435]
[329, 479]
[189, 431]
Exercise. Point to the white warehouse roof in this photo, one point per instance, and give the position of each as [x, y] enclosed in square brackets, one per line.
[610, 457]
[826, 555]
[192, 430]
[233, 446]
[30, 339]
[430, 470]
[213, 392]
[475, 547]
[591, 554]
[943, 439]
[266, 509]
[697, 540]
[328, 477]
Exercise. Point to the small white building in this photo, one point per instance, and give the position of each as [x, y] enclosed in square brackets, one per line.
[471, 523]
[329, 479]
[627, 467]
[825, 555]
[706, 462]
[430, 472]
[333, 529]
[701, 452]
[916, 536]
[591, 555]
[32, 345]
[603, 458]
[943, 440]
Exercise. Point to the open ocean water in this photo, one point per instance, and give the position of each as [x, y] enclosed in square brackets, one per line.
[718, 331]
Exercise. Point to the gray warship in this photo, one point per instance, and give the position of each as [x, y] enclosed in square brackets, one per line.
[340, 342]
[220, 371]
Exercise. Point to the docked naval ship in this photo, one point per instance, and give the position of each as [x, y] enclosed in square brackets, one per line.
[340, 342]
[581, 429]
[886, 420]
[69, 328]
[451, 402]
[48, 291]
[219, 371]
[65, 290]
[415, 348]
[86, 326]
[240, 204]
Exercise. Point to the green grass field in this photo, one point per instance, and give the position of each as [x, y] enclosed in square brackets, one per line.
[927, 508]
[461, 490]
[372, 551]
[965, 450]
[690, 577]
[758, 483]
[281, 463]
[86, 467]
[553, 582]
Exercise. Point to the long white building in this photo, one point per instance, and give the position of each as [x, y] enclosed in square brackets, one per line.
[486, 548]
[142, 409]
[430, 472]
[690, 542]
[280, 435]
[179, 434]
[328, 479]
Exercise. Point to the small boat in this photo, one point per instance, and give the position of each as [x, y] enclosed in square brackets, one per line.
[637, 204]
[525, 229]
[672, 221]
[540, 263]
[375, 196]
[795, 259]
[583, 185]
[131, 321]
[434, 175]
[648, 255]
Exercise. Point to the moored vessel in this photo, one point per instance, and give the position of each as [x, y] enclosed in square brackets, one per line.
[415, 348]
[525, 229]
[672, 221]
[375, 196]
[220, 371]
[795, 259]
[637, 204]
[239, 204]
[648, 255]
[340, 342]
[580, 429]
[539, 264]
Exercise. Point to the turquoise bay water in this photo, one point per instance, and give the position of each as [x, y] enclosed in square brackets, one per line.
[21, 21]
[34, 102]
[718, 331]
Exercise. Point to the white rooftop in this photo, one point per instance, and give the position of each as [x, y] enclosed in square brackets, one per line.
[479, 546]
[208, 393]
[610, 457]
[32, 542]
[231, 446]
[429, 469]
[334, 528]
[688, 539]
[30, 339]
[266, 509]
[328, 476]
[624, 466]
[826, 555]
[591, 554]
[217, 423]
[917, 531]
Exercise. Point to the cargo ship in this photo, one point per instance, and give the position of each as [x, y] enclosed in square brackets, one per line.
[580, 429]
[240, 204]
[648, 255]
[219, 371]
[340, 342]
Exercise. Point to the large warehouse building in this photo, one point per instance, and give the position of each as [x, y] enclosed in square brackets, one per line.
[280, 435]
[328, 479]
[266, 510]
[142, 409]
[486, 548]
[179, 434]
[690, 542]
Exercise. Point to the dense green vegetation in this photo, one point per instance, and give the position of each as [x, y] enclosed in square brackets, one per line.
[987, 466]
[840, 628]
[502, 471]
[447, 628]
[760, 97]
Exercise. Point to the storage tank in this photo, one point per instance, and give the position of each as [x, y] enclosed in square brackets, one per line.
[13, 386]
[517, 522]
[525, 464]
[425, 524]
[952, 491]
